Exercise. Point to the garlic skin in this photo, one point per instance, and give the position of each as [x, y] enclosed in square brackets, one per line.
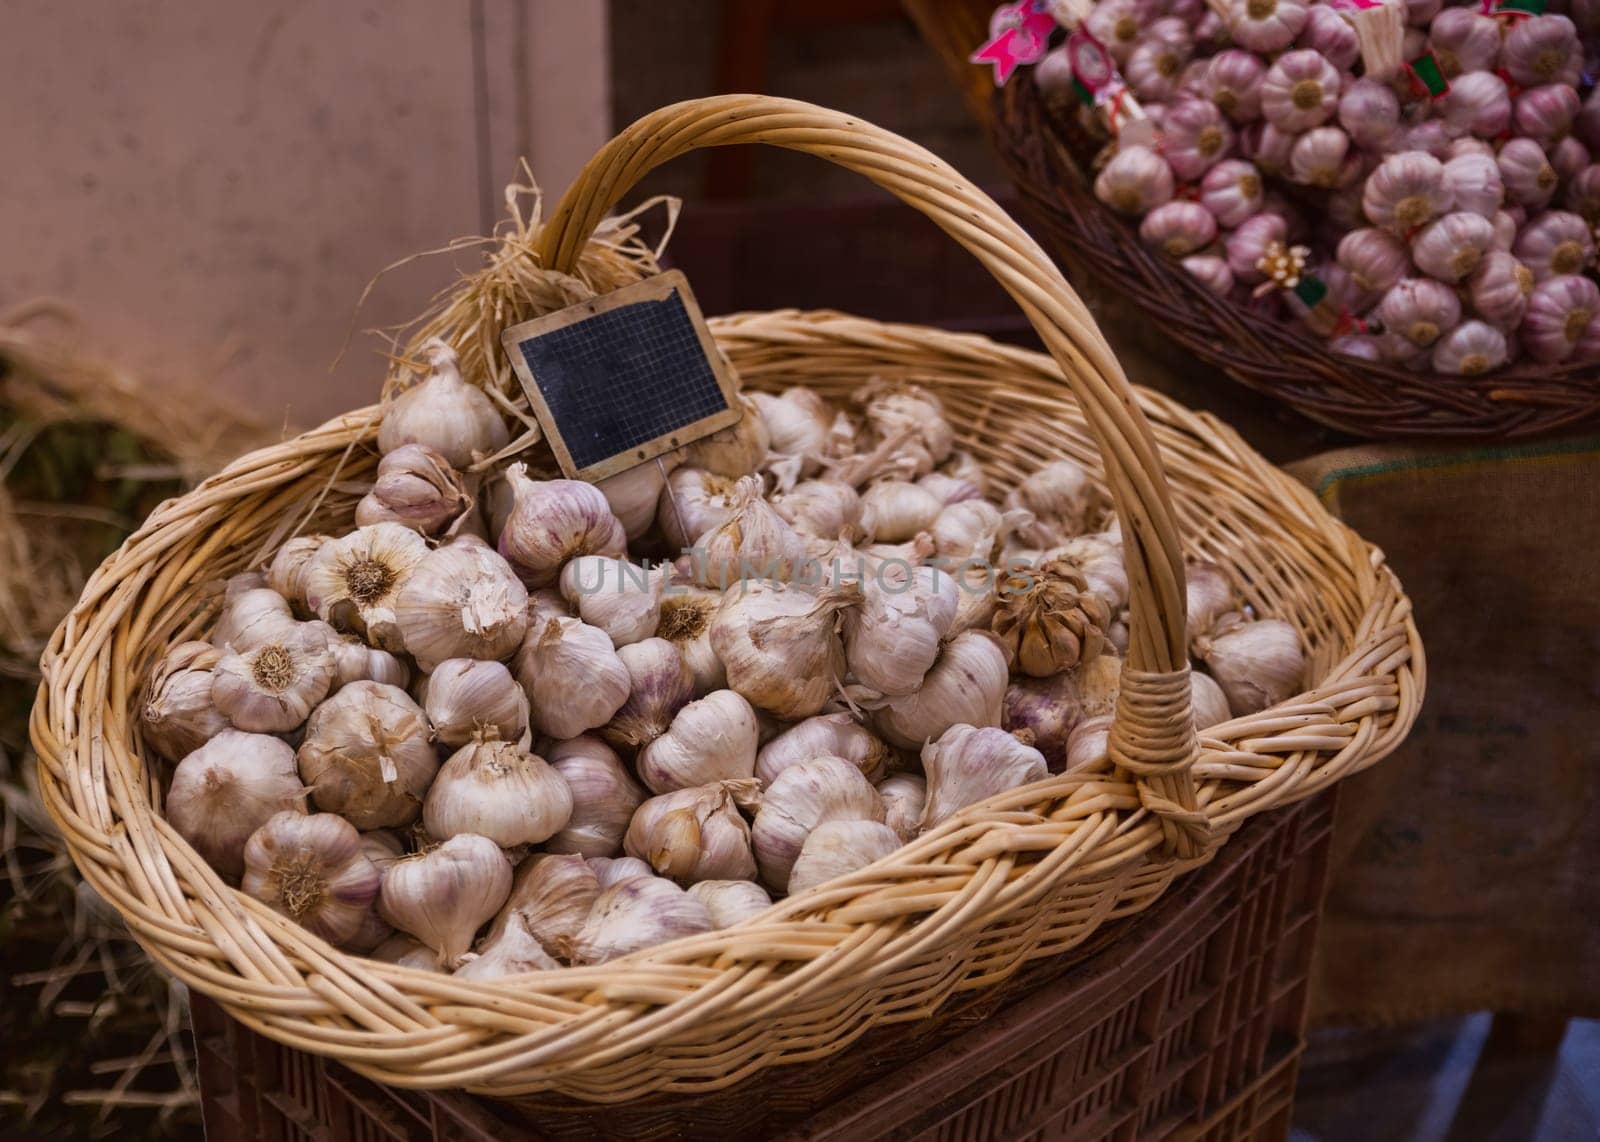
[1405, 192]
[693, 503]
[1265, 26]
[573, 677]
[1545, 114]
[893, 511]
[273, 687]
[1525, 170]
[1257, 664]
[892, 639]
[636, 914]
[661, 685]
[1479, 103]
[514, 951]
[734, 451]
[1462, 40]
[367, 756]
[1135, 181]
[455, 419]
[1267, 146]
[312, 870]
[904, 796]
[251, 617]
[966, 684]
[610, 871]
[355, 580]
[1047, 618]
[730, 902]
[1570, 158]
[498, 790]
[468, 697]
[801, 798]
[1560, 310]
[551, 898]
[1374, 259]
[1499, 290]
[1299, 91]
[912, 415]
[710, 740]
[822, 508]
[694, 834]
[1369, 112]
[227, 789]
[830, 735]
[1329, 35]
[780, 645]
[1061, 497]
[1232, 191]
[1233, 83]
[1208, 595]
[407, 952]
[443, 896]
[1323, 157]
[417, 488]
[1211, 272]
[553, 521]
[1450, 247]
[1087, 744]
[838, 848]
[355, 661]
[286, 574]
[686, 614]
[1098, 558]
[1178, 229]
[799, 424]
[621, 598]
[1555, 243]
[1248, 245]
[1470, 349]
[462, 601]
[604, 797]
[969, 763]
[1473, 182]
[1209, 703]
[1419, 310]
[634, 494]
[1047, 710]
[1196, 137]
[176, 714]
[755, 542]
[1543, 49]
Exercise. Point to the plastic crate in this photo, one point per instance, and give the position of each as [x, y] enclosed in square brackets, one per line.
[1186, 1021]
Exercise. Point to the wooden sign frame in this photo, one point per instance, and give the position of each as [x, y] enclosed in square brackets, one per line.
[655, 289]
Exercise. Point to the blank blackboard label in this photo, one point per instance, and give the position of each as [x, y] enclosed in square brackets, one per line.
[623, 378]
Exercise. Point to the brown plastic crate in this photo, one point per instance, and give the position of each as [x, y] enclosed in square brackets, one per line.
[1184, 1021]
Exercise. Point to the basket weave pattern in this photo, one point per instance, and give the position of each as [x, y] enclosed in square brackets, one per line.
[1031, 873]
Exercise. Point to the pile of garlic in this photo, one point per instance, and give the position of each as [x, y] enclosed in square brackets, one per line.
[1453, 232]
[486, 732]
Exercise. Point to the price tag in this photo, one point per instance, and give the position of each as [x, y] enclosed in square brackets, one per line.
[1019, 33]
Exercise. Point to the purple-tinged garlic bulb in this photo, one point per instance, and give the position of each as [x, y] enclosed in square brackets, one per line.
[1450, 248]
[1195, 138]
[1369, 112]
[1555, 243]
[1248, 244]
[1560, 310]
[1323, 157]
[1529, 178]
[1419, 310]
[1469, 350]
[1582, 196]
[1507, 224]
[1405, 192]
[1570, 158]
[1299, 91]
[1233, 83]
[1375, 259]
[1477, 103]
[1546, 113]
[1157, 61]
[1473, 181]
[1179, 228]
[1344, 290]
[1232, 191]
[1462, 41]
[1211, 30]
[1117, 24]
[1468, 145]
[1542, 49]
[1357, 345]
[1211, 272]
[1135, 181]
[1331, 36]
[1192, 83]
[1266, 26]
[1499, 290]
[1431, 137]
[1267, 147]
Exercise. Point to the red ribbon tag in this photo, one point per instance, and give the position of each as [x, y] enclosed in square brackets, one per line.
[1019, 33]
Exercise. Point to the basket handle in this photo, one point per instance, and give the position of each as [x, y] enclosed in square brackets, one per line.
[1153, 734]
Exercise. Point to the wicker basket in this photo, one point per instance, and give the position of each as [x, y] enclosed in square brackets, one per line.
[1028, 874]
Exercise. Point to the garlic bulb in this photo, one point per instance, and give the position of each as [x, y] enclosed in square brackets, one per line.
[799, 424]
[1098, 558]
[1369, 112]
[574, 679]
[780, 645]
[1178, 229]
[1195, 137]
[551, 898]
[1375, 259]
[227, 789]
[1583, 194]
[893, 637]
[837, 848]
[1570, 158]
[417, 488]
[271, 688]
[634, 494]
[1499, 290]
[893, 511]
[1323, 157]
[969, 763]
[755, 542]
[468, 697]
[251, 617]
[1299, 91]
[904, 797]
[604, 797]
[1231, 191]
[1473, 182]
[621, 598]
[1208, 595]
[1249, 243]
[1087, 744]
[1329, 35]
[312, 870]
[661, 684]
[1116, 24]
[1135, 181]
[367, 756]
[455, 419]
[1043, 712]
[1405, 192]
[734, 451]
[1525, 170]
[355, 661]
[686, 614]
[693, 503]
[1265, 25]
[1266, 146]
[1477, 102]
[1209, 703]
[1470, 349]
[1545, 114]
[286, 574]
[407, 952]
[966, 684]
[513, 951]
[830, 735]
[712, 739]
[355, 580]
[951, 490]
[1232, 81]
[801, 798]
[1560, 310]
[1419, 310]
[636, 914]
[1257, 664]
[1211, 272]
[1463, 40]
[1555, 243]
[553, 521]
[462, 601]
[1047, 618]
[614, 870]
[497, 790]
[176, 713]
[914, 415]
[372, 933]
[1451, 246]
[1061, 497]
[1543, 49]
[822, 507]
[382, 846]
[730, 902]
[443, 896]
[1157, 60]
[695, 833]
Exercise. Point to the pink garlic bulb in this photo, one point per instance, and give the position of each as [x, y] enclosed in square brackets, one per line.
[1157, 60]
[1357, 345]
[1477, 102]
[1569, 158]
[1299, 91]
[1248, 244]
[1323, 157]
[1462, 40]
[1369, 112]
[1506, 225]
[1053, 75]
[1117, 24]
[1474, 184]
[1266, 26]
[1582, 196]
[1467, 145]
[1405, 192]
[1192, 82]
[1195, 137]
[1529, 178]
[1587, 124]
[1135, 181]
[1211, 272]
[1232, 191]
[1499, 290]
[1233, 83]
[1546, 113]
[1431, 136]
[1344, 290]
[1267, 147]
[1375, 259]
[1470, 350]
[1179, 228]
[1560, 310]
[1331, 36]
[1420, 13]
[1449, 248]
[1542, 49]
[1419, 310]
[1556, 242]
[1210, 29]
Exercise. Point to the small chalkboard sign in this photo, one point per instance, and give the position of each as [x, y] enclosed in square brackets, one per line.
[624, 377]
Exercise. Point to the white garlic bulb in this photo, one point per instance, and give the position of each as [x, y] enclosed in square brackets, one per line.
[443, 896]
[462, 601]
[661, 684]
[970, 763]
[286, 574]
[836, 848]
[467, 698]
[911, 420]
[730, 902]
[417, 488]
[686, 614]
[272, 687]
[176, 713]
[904, 796]
[604, 797]
[497, 790]
[621, 598]
[1470, 350]
[802, 797]
[799, 424]
[635, 914]
[1087, 744]
[780, 645]
[754, 543]
[574, 679]
[609, 871]
[972, 529]
[1135, 181]
[1209, 703]
[367, 756]
[712, 739]
[1061, 497]
[734, 451]
[693, 502]
[312, 870]
[227, 789]
[551, 898]
[355, 661]
[356, 579]
[967, 684]
[455, 419]
[695, 834]
[892, 639]
[821, 508]
[633, 494]
[1208, 595]
[893, 510]
[1257, 664]
[552, 521]
[826, 735]
[249, 617]
[512, 950]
